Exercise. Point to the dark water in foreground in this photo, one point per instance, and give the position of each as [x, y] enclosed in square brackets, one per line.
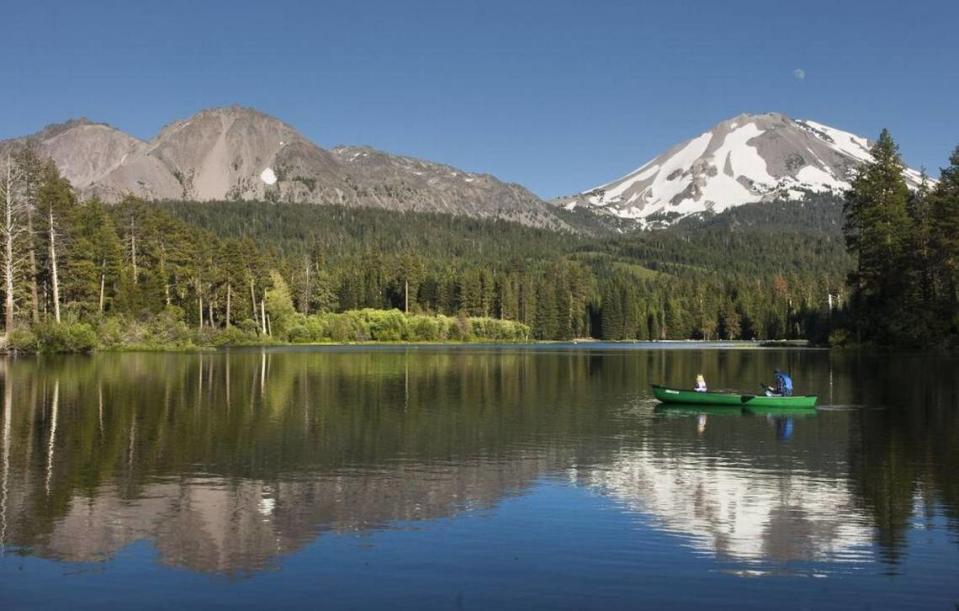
[475, 478]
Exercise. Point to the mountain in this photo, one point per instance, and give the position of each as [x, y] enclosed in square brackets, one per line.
[236, 153]
[84, 151]
[749, 158]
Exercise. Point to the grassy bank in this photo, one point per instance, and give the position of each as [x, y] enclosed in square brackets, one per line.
[168, 332]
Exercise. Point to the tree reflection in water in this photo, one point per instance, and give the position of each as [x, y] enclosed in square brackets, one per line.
[226, 461]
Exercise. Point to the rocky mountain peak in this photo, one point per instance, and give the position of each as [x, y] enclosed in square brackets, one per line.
[241, 153]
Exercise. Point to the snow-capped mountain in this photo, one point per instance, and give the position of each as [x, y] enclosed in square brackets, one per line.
[746, 159]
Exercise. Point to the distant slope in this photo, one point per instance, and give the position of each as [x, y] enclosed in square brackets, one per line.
[343, 231]
[723, 244]
[816, 214]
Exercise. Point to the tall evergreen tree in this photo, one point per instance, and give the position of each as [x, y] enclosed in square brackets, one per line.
[944, 239]
[878, 231]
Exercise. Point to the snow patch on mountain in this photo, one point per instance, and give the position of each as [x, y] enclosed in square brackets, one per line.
[268, 176]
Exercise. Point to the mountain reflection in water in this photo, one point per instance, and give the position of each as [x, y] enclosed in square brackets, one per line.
[225, 462]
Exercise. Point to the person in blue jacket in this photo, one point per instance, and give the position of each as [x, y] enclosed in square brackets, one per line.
[783, 386]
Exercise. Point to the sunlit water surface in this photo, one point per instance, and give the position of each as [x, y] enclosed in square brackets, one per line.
[476, 477]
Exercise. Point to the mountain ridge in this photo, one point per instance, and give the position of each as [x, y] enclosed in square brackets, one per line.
[241, 153]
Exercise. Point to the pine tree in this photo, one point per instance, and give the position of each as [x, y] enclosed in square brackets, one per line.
[279, 304]
[55, 202]
[878, 230]
[95, 262]
[612, 315]
[944, 238]
[922, 263]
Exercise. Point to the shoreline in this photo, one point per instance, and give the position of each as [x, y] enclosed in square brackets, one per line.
[584, 343]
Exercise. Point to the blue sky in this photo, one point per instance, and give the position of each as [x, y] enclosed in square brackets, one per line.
[559, 96]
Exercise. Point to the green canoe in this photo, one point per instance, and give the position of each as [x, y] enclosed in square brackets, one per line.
[691, 397]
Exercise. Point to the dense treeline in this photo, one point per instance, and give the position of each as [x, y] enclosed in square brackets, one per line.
[695, 281]
[906, 243]
[179, 273]
[816, 213]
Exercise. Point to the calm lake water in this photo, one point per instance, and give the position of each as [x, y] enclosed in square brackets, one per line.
[475, 478]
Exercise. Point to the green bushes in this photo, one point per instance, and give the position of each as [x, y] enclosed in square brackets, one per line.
[389, 326]
[168, 331]
[235, 336]
[22, 339]
[395, 326]
[52, 337]
[425, 328]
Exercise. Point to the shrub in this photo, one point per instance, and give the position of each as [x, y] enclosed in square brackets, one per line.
[168, 327]
[388, 326]
[299, 334]
[22, 339]
[111, 332]
[424, 329]
[317, 328]
[461, 329]
[249, 326]
[65, 337]
[235, 336]
[359, 325]
[340, 330]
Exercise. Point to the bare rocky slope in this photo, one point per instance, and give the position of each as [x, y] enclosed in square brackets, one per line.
[237, 153]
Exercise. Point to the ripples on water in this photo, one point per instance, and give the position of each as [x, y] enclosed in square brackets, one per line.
[475, 477]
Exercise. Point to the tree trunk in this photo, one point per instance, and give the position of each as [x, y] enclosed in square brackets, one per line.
[133, 248]
[54, 277]
[263, 315]
[35, 299]
[305, 306]
[103, 281]
[9, 234]
[199, 300]
[8, 270]
[256, 318]
[166, 281]
[406, 296]
[229, 290]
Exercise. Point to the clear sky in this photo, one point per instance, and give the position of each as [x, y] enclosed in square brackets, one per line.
[556, 95]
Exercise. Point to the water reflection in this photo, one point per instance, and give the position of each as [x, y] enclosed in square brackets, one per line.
[738, 513]
[224, 462]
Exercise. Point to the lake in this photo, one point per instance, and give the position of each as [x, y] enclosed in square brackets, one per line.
[476, 477]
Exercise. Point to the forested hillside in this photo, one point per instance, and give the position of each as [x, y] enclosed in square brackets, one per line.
[817, 213]
[188, 273]
[698, 280]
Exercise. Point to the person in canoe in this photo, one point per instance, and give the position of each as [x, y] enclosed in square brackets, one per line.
[783, 386]
[700, 384]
